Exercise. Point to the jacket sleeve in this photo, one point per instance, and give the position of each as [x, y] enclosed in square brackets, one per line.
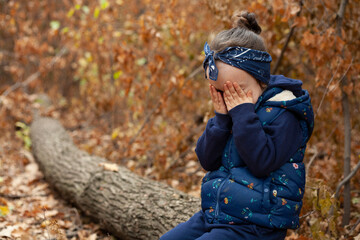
[212, 142]
[264, 148]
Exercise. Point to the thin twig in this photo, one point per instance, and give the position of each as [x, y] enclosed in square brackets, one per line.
[15, 197]
[326, 90]
[33, 76]
[353, 227]
[328, 85]
[307, 214]
[312, 159]
[344, 75]
[190, 149]
[16, 55]
[343, 182]
[149, 115]
[292, 30]
[346, 179]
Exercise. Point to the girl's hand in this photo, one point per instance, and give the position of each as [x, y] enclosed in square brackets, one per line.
[235, 96]
[218, 101]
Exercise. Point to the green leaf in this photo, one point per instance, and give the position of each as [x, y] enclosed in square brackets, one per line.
[27, 142]
[115, 133]
[104, 4]
[23, 134]
[101, 40]
[4, 210]
[88, 57]
[70, 12]
[83, 82]
[325, 205]
[355, 201]
[64, 30]
[85, 9]
[96, 12]
[141, 61]
[122, 93]
[117, 74]
[55, 25]
[77, 6]
[20, 125]
[332, 226]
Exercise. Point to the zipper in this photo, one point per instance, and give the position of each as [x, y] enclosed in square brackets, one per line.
[217, 207]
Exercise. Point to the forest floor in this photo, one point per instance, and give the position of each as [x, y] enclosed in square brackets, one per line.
[29, 208]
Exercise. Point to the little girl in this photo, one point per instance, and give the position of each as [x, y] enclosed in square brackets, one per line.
[254, 146]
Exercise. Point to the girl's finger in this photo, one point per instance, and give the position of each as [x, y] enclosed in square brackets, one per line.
[228, 99]
[238, 89]
[231, 88]
[213, 96]
[226, 93]
[218, 95]
[249, 94]
[227, 88]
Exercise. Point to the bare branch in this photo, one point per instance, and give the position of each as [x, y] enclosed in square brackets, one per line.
[33, 76]
[312, 159]
[149, 115]
[292, 30]
[307, 214]
[14, 197]
[344, 75]
[326, 90]
[328, 85]
[346, 179]
[354, 227]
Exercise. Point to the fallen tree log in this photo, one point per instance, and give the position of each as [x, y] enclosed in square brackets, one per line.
[125, 204]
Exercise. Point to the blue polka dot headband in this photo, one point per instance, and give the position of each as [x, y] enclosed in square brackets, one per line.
[256, 63]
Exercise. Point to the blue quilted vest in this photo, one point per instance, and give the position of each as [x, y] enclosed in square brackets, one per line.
[232, 195]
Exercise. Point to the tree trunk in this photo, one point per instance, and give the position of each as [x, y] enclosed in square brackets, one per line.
[125, 204]
[347, 124]
[347, 154]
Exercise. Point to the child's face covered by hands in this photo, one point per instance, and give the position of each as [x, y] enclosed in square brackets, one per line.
[234, 95]
[232, 88]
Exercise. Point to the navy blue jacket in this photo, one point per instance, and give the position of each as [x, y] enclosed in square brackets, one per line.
[254, 158]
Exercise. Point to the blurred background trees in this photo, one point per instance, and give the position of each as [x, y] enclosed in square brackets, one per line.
[125, 77]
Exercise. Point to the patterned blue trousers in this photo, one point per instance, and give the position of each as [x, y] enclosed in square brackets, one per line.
[198, 228]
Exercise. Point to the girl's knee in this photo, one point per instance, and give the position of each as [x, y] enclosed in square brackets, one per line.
[170, 235]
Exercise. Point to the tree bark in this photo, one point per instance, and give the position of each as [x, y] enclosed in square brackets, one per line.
[125, 204]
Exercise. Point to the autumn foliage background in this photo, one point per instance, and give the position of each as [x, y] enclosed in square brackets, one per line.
[125, 78]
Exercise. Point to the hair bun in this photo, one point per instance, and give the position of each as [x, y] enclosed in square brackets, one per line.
[247, 20]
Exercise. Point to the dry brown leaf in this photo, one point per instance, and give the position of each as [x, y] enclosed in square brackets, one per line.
[6, 232]
[92, 236]
[110, 166]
